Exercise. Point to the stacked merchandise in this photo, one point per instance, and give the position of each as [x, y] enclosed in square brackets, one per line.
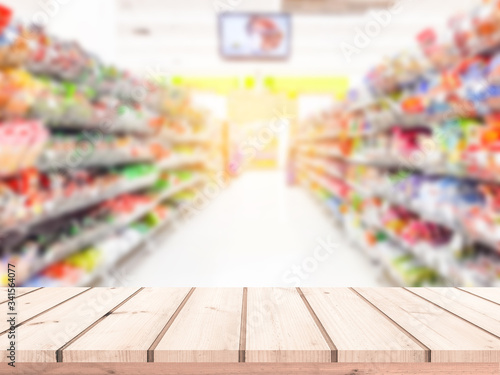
[413, 166]
[91, 157]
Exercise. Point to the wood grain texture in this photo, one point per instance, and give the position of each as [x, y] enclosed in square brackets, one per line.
[186, 325]
[280, 328]
[35, 303]
[19, 293]
[42, 336]
[206, 330]
[326, 337]
[127, 333]
[258, 368]
[478, 311]
[450, 338]
[360, 332]
[492, 294]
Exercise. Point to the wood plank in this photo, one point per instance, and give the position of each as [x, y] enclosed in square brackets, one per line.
[19, 293]
[360, 332]
[280, 328]
[36, 303]
[451, 339]
[278, 325]
[127, 334]
[478, 311]
[206, 330]
[492, 294]
[43, 336]
[256, 368]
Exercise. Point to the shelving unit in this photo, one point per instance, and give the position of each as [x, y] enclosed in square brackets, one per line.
[107, 165]
[60, 251]
[413, 164]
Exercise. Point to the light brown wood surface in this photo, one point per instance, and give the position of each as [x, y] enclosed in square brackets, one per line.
[35, 303]
[41, 337]
[491, 294]
[19, 292]
[280, 328]
[288, 327]
[373, 338]
[206, 330]
[450, 338]
[127, 334]
[257, 368]
[480, 312]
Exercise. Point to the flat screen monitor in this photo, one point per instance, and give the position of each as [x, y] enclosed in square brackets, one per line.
[255, 36]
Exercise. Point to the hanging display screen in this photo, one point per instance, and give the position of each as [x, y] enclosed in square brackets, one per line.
[255, 36]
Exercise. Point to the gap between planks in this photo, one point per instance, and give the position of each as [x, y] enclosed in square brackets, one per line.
[243, 329]
[478, 296]
[452, 313]
[59, 352]
[404, 331]
[151, 350]
[44, 311]
[329, 341]
[21, 295]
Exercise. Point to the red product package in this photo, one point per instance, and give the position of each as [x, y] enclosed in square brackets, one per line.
[427, 39]
[5, 17]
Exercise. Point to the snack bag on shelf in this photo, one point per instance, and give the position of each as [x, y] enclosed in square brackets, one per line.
[21, 143]
[486, 25]
[5, 40]
[461, 26]
[5, 17]
[442, 53]
[14, 48]
[10, 202]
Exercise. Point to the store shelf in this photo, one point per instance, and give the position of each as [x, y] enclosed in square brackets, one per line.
[306, 325]
[107, 267]
[444, 261]
[139, 130]
[62, 160]
[438, 259]
[62, 250]
[320, 156]
[69, 122]
[436, 217]
[190, 138]
[175, 162]
[181, 187]
[420, 254]
[92, 278]
[333, 172]
[93, 197]
[323, 204]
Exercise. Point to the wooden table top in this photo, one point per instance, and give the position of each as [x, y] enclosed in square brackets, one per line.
[306, 325]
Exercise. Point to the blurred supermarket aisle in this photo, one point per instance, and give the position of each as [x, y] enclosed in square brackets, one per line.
[106, 134]
[258, 232]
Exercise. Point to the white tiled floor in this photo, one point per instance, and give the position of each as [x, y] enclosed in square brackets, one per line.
[258, 232]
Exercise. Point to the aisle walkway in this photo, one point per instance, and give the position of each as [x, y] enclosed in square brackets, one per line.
[258, 232]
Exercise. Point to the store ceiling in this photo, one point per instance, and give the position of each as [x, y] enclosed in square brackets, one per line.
[330, 7]
[333, 6]
[182, 35]
[197, 5]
